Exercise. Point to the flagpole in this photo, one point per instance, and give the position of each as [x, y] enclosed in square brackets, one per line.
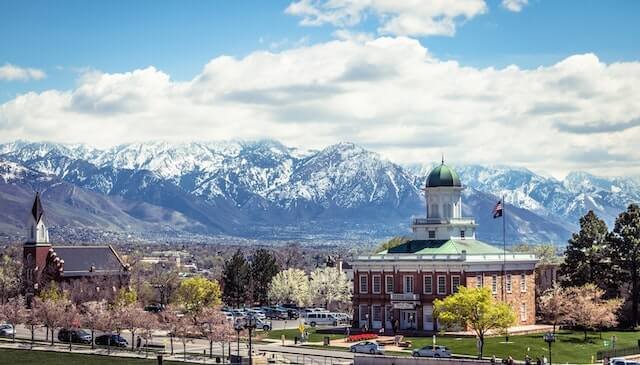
[504, 248]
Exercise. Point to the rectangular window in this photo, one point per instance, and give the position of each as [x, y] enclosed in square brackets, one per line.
[377, 284]
[442, 284]
[427, 281]
[376, 313]
[523, 283]
[508, 283]
[364, 284]
[432, 234]
[389, 283]
[408, 284]
[479, 281]
[462, 234]
[494, 284]
[363, 309]
[455, 283]
[523, 312]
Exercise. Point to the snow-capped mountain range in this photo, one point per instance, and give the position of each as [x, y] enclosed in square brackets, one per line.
[265, 189]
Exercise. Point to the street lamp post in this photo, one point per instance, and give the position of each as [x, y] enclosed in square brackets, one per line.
[549, 338]
[251, 325]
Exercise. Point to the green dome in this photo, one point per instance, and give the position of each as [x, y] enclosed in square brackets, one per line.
[443, 176]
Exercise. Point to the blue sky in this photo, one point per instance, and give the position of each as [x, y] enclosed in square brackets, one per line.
[396, 77]
[179, 37]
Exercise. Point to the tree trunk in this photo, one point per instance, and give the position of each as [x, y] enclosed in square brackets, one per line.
[93, 343]
[585, 335]
[210, 349]
[46, 333]
[70, 341]
[52, 330]
[133, 340]
[32, 335]
[222, 347]
[481, 346]
[634, 296]
[171, 341]
[184, 348]
[13, 335]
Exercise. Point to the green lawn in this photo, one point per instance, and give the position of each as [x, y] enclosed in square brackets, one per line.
[26, 357]
[291, 333]
[569, 346]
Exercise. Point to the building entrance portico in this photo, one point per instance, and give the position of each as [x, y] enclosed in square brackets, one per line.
[408, 320]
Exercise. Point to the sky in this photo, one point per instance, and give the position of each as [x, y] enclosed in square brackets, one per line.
[548, 85]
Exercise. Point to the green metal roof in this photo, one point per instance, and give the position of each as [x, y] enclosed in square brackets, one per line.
[443, 175]
[443, 247]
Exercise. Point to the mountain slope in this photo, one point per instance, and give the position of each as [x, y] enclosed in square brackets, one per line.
[265, 189]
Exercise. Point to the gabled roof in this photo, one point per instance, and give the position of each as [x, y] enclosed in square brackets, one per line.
[89, 260]
[37, 210]
[443, 247]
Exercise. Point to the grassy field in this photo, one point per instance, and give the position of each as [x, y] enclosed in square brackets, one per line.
[291, 333]
[569, 346]
[26, 357]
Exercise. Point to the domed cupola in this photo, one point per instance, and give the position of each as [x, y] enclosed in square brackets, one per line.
[443, 175]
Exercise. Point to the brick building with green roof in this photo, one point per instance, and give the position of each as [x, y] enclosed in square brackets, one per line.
[394, 289]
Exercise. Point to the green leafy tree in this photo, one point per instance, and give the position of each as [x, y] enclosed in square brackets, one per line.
[235, 280]
[624, 248]
[125, 297]
[585, 254]
[10, 277]
[263, 268]
[197, 293]
[476, 309]
[393, 242]
[53, 293]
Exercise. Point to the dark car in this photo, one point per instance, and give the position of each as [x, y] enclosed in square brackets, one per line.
[292, 310]
[74, 336]
[276, 313]
[116, 341]
[154, 308]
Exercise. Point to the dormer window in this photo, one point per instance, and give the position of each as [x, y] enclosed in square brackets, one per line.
[462, 234]
[432, 234]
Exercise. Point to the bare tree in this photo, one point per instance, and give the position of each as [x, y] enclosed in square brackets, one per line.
[184, 328]
[13, 313]
[31, 320]
[108, 322]
[10, 275]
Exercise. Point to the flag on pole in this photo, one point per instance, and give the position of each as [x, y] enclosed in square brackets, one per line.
[497, 210]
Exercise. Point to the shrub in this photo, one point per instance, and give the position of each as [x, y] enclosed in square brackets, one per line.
[361, 337]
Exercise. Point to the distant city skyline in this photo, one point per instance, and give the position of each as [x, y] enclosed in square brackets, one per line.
[551, 86]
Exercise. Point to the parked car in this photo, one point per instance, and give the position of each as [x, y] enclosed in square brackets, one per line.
[292, 312]
[262, 324]
[6, 330]
[304, 312]
[256, 313]
[621, 361]
[368, 347]
[321, 318]
[154, 308]
[116, 340]
[74, 336]
[276, 313]
[432, 351]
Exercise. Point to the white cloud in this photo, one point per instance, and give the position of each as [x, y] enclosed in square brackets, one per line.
[404, 18]
[10, 72]
[514, 5]
[389, 94]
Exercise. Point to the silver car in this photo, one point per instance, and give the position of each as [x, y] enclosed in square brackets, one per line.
[368, 348]
[432, 351]
[6, 330]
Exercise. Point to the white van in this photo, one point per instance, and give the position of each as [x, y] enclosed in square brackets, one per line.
[321, 318]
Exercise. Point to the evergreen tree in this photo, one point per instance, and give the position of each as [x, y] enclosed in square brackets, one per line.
[584, 256]
[263, 268]
[235, 279]
[624, 250]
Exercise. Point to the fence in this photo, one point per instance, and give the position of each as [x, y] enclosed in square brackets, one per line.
[403, 360]
[624, 351]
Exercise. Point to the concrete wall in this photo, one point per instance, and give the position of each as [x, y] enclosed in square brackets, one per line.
[401, 360]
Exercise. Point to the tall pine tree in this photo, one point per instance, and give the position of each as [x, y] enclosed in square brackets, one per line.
[235, 279]
[624, 250]
[263, 268]
[585, 254]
